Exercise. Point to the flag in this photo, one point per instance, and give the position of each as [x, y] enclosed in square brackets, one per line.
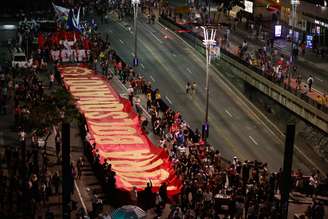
[226, 185]
[73, 22]
[60, 11]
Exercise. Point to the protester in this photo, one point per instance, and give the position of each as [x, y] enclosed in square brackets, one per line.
[310, 82]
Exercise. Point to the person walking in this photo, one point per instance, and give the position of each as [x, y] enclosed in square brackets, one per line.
[79, 165]
[57, 144]
[56, 182]
[193, 87]
[130, 93]
[188, 88]
[310, 82]
[52, 80]
[298, 82]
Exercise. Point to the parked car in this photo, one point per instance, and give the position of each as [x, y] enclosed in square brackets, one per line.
[19, 59]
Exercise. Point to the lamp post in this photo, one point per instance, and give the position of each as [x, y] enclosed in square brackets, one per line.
[209, 42]
[294, 4]
[135, 4]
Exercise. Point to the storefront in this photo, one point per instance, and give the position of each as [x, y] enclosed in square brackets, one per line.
[299, 28]
[318, 28]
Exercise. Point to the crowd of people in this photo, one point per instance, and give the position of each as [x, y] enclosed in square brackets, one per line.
[265, 59]
[25, 179]
[211, 186]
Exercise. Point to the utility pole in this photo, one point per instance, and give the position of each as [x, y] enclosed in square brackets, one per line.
[287, 170]
[209, 42]
[135, 4]
[209, 11]
[66, 171]
[294, 4]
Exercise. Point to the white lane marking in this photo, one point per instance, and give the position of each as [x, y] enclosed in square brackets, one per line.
[319, 79]
[168, 99]
[132, 54]
[110, 31]
[156, 37]
[123, 26]
[227, 112]
[188, 69]
[252, 139]
[2, 141]
[122, 41]
[151, 77]
[80, 196]
[199, 58]
[174, 54]
[142, 65]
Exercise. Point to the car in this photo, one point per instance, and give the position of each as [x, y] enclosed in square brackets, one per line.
[19, 59]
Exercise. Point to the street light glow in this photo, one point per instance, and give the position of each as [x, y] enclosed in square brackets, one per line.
[8, 27]
[135, 2]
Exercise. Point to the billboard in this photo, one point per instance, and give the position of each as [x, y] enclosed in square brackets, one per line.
[277, 30]
[249, 6]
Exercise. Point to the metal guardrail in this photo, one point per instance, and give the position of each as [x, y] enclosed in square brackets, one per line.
[294, 100]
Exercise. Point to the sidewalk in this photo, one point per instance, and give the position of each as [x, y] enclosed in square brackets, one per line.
[309, 60]
[235, 41]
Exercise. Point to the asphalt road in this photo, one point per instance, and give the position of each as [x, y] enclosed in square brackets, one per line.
[169, 63]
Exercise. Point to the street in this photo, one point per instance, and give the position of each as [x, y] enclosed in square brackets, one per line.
[169, 64]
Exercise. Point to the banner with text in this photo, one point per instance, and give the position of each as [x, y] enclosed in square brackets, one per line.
[116, 130]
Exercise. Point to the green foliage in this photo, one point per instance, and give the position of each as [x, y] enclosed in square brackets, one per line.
[50, 110]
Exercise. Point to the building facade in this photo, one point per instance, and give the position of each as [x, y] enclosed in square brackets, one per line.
[311, 22]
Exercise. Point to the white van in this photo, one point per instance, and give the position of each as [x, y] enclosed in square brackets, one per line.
[19, 59]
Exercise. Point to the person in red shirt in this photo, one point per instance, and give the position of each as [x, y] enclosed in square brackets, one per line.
[40, 40]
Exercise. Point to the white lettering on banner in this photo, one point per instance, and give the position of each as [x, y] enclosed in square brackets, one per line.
[66, 55]
[115, 132]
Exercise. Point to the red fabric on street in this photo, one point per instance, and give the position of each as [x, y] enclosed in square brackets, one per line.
[116, 130]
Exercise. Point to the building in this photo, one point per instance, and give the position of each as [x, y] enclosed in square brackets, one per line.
[311, 22]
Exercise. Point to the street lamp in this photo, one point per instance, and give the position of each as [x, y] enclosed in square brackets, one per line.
[209, 42]
[294, 4]
[135, 4]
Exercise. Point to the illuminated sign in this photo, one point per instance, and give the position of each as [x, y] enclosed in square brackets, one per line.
[309, 39]
[321, 23]
[295, 2]
[277, 30]
[248, 6]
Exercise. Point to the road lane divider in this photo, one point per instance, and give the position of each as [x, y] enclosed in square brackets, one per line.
[121, 41]
[142, 65]
[152, 78]
[319, 79]
[253, 140]
[168, 99]
[188, 69]
[80, 197]
[159, 40]
[229, 114]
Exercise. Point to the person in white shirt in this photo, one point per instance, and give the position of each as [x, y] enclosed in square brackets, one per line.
[130, 93]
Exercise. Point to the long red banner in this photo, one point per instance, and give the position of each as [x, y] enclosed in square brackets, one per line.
[116, 130]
